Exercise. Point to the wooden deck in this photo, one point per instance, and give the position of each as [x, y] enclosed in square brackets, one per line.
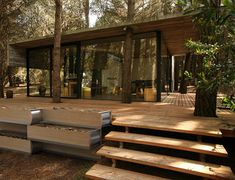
[175, 112]
[178, 99]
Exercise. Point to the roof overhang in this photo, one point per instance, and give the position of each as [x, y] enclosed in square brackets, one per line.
[175, 31]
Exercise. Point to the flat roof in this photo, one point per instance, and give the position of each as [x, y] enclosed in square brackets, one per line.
[175, 31]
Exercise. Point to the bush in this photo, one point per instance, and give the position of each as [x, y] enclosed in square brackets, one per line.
[229, 103]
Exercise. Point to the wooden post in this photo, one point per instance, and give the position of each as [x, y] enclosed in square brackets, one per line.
[126, 74]
[51, 69]
[159, 63]
[183, 83]
[170, 72]
[114, 163]
[164, 67]
[79, 71]
[176, 88]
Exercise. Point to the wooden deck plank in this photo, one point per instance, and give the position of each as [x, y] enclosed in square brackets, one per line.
[101, 172]
[202, 169]
[179, 144]
[189, 127]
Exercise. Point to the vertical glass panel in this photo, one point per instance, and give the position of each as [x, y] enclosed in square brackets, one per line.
[68, 73]
[144, 70]
[39, 72]
[101, 69]
[166, 71]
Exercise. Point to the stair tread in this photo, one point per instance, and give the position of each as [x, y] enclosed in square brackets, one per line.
[197, 168]
[102, 172]
[188, 127]
[193, 146]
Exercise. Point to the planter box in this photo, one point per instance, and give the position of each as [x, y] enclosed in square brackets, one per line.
[71, 151]
[63, 135]
[16, 144]
[20, 116]
[106, 117]
[18, 128]
[77, 118]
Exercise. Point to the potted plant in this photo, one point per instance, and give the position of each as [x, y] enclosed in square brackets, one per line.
[42, 90]
[9, 94]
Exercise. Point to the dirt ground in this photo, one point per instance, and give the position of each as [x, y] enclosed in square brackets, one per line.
[44, 166]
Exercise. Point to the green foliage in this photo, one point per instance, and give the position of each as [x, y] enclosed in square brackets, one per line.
[115, 11]
[229, 103]
[216, 47]
[188, 75]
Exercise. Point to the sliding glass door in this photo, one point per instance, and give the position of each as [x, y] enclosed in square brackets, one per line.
[68, 73]
[101, 69]
[39, 68]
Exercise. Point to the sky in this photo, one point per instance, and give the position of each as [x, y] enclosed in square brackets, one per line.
[92, 19]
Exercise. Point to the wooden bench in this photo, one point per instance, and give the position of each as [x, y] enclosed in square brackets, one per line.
[70, 131]
[64, 135]
[13, 129]
[20, 116]
[76, 118]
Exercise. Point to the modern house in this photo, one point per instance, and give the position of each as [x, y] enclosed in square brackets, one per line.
[91, 59]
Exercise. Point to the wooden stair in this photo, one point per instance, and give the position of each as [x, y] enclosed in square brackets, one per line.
[101, 172]
[179, 144]
[170, 163]
[175, 126]
[202, 169]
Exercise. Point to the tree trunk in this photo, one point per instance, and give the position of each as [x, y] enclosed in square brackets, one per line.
[126, 65]
[183, 83]
[56, 54]
[205, 103]
[126, 78]
[131, 10]
[87, 12]
[3, 31]
[1, 83]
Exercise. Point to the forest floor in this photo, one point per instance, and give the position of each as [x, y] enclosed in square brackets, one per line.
[44, 166]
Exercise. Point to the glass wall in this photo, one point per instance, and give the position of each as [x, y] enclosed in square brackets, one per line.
[39, 72]
[144, 70]
[68, 73]
[101, 69]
